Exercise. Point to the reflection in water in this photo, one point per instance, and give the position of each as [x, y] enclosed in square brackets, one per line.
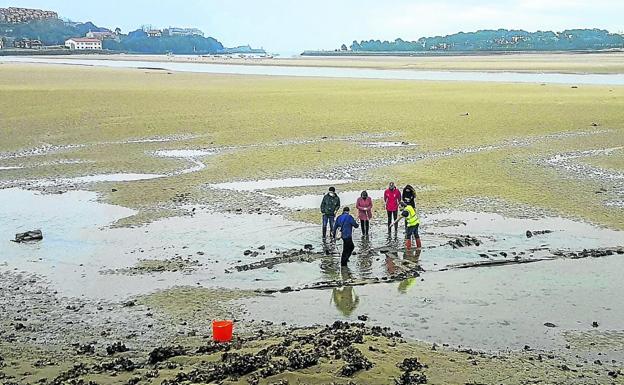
[365, 258]
[345, 298]
[330, 266]
[412, 255]
[391, 267]
[406, 284]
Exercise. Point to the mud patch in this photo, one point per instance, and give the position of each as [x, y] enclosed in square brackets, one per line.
[150, 266]
[195, 306]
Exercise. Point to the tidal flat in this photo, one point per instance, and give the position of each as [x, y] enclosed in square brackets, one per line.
[154, 190]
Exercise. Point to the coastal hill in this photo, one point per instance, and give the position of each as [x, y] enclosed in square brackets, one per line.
[492, 41]
[44, 30]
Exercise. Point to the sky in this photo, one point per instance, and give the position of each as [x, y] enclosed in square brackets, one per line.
[291, 26]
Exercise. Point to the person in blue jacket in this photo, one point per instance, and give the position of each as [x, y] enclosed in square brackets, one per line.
[346, 223]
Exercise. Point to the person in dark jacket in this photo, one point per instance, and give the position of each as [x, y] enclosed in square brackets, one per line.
[346, 224]
[329, 207]
[409, 195]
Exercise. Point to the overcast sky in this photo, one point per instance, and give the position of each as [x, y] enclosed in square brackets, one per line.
[290, 26]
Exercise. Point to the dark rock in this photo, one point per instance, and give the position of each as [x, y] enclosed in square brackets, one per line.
[116, 347]
[409, 378]
[410, 365]
[355, 362]
[130, 303]
[530, 234]
[595, 324]
[464, 241]
[550, 325]
[299, 359]
[121, 364]
[164, 353]
[308, 247]
[363, 317]
[29, 236]
[84, 348]
[214, 347]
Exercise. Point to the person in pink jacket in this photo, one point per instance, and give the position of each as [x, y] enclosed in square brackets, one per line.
[392, 197]
[364, 205]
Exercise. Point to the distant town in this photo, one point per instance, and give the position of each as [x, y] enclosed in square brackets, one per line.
[26, 30]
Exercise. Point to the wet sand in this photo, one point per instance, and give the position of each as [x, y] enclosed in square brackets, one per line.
[612, 62]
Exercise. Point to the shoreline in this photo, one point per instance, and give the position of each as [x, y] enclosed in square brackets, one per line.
[525, 62]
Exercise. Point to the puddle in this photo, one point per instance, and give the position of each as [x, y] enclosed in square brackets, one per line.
[566, 163]
[485, 308]
[313, 201]
[77, 244]
[266, 184]
[183, 153]
[188, 155]
[511, 232]
[492, 309]
[388, 144]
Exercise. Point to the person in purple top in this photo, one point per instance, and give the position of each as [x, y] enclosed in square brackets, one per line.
[364, 205]
[346, 224]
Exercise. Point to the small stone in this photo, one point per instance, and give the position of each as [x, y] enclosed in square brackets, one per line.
[550, 325]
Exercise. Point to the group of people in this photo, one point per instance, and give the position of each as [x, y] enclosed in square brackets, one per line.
[394, 201]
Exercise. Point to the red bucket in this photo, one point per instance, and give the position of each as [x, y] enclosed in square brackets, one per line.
[222, 331]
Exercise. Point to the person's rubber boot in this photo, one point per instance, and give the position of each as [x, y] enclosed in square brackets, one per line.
[408, 244]
[418, 244]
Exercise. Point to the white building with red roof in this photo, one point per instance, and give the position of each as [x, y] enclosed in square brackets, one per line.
[83, 43]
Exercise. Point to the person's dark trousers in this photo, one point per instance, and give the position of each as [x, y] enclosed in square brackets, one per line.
[347, 250]
[392, 216]
[328, 220]
[365, 225]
